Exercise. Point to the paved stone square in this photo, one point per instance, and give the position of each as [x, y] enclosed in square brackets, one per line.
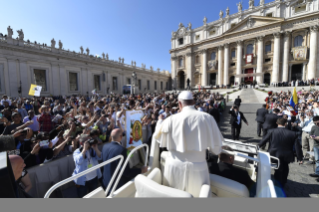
[299, 183]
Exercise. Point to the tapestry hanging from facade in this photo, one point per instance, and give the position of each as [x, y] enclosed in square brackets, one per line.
[300, 53]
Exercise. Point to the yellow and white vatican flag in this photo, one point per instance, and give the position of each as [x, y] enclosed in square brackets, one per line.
[35, 90]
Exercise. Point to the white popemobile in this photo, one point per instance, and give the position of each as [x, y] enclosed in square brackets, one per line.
[150, 184]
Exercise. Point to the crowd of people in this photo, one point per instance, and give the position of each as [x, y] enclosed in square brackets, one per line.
[290, 131]
[296, 83]
[49, 128]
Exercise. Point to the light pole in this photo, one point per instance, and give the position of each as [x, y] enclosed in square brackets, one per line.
[134, 77]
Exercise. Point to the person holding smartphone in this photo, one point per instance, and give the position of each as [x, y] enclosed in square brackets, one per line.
[314, 134]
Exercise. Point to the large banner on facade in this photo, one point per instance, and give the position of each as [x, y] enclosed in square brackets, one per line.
[300, 53]
[134, 133]
[126, 89]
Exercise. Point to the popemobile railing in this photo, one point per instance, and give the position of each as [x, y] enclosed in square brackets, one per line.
[125, 164]
[59, 184]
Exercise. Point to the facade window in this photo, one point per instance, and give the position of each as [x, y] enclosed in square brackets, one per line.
[212, 32]
[128, 81]
[161, 85]
[298, 41]
[148, 85]
[268, 47]
[181, 62]
[181, 41]
[197, 59]
[140, 84]
[40, 78]
[73, 81]
[233, 54]
[197, 37]
[250, 49]
[269, 15]
[213, 56]
[267, 60]
[232, 64]
[114, 83]
[300, 9]
[155, 85]
[97, 82]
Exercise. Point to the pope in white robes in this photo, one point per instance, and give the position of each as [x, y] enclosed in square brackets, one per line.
[187, 135]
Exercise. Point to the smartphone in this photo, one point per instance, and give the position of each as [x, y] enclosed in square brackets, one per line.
[44, 143]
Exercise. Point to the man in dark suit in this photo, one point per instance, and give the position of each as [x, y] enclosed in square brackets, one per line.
[260, 118]
[270, 121]
[226, 169]
[237, 101]
[235, 121]
[281, 144]
[111, 150]
[188, 84]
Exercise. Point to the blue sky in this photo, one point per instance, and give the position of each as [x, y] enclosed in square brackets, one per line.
[138, 30]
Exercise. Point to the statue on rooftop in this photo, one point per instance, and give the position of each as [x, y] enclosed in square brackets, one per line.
[10, 32]
[240, 7]
[60, 44]
[221, 14]
[227, 11]
[21, 35]
[87, 51]
[205, 20]
[53, 43]
[81, 49]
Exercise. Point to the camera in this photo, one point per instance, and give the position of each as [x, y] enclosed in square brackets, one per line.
[92, 142]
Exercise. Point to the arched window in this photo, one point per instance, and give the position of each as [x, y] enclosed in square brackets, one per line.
[233, 53]
[268, 47]
[213, 56]
[298, 40]
[250, 49]
[181, 62]
[197, 59]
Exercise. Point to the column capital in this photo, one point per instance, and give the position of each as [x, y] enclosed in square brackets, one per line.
[287, 33]
[189, 54]
[226, 45]
[173, 58]
[239, 42]
[260, 38]
[220, 47]
[314, 28]
[277, 34]
[202, 51]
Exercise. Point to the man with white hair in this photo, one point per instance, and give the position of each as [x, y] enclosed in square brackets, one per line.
[187, 135]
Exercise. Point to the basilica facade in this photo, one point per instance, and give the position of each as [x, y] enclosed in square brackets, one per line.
[269, 43]
[65, 72]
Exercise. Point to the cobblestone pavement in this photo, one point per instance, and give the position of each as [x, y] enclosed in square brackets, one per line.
[299, 183]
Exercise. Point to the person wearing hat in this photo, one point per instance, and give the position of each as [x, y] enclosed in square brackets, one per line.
[16, 118]
[235, 120]
[187, 135]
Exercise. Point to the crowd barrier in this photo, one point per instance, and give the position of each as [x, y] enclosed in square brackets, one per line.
[45, 175]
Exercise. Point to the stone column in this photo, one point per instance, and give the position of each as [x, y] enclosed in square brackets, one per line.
[313, 52]
[63, 77]
[285, 65]
[189, 65]
[304, 76]
[84, 84]
[174, 73]
[260, 58]
[204, 65]
[13, 78]
[56, 79]
[226, 64]
[239, 60]
[220, 65]
[276, 58]
[290, 66]
[25, 84]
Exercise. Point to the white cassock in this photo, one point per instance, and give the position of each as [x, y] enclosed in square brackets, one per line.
[186, 136]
